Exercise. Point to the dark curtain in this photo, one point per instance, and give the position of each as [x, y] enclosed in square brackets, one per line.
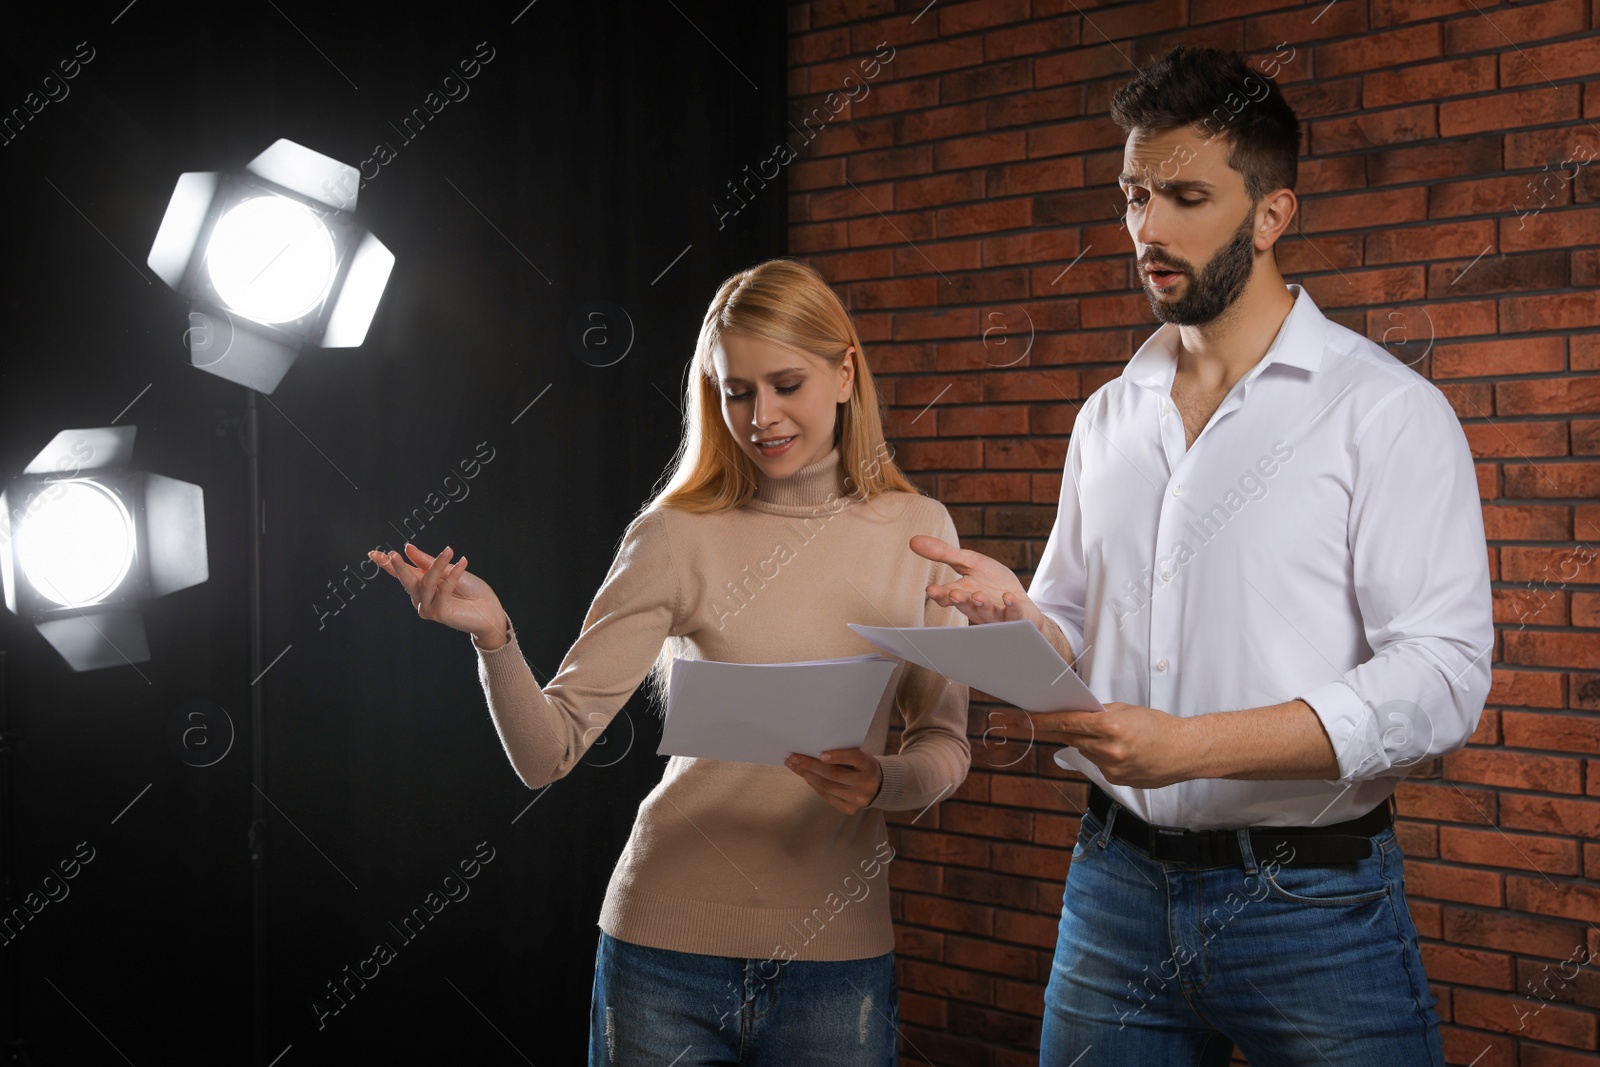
[584, 164]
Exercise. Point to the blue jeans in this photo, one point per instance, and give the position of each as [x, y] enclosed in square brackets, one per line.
[656, 1006]
[1167, 963]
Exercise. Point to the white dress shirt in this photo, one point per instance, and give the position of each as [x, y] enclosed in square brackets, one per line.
[1322, 539]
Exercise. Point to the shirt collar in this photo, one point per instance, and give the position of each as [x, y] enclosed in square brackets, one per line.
[1299, 343]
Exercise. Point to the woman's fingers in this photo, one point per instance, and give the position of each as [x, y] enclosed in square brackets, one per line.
[431, 580]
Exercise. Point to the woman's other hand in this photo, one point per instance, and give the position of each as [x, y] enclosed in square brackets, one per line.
[847, 778]
[444, 592]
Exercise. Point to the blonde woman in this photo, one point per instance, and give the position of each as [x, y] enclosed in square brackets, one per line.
[747, 920]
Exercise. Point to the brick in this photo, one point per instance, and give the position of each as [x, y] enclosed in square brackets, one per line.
[1447, 963]
[1012, 960]
[1512, 932]
[922, 845]
[937, 256]
[1518, 1015]
[1493, 196]
[1427, 241]
[1551, 62]
[986, 217]
[1485, 359]
[1526, 522]
[1429, 81]
[1361, 288]
[1464, 884]
[1566, 396]
[1372, 51]
[1530, 22]
[946, 914]
[1065, 138]
[1417, 123]
[1549, 569]
[1039, 35]
[1517, 440]
[980, 150]
[1364, 210]
[1025, 928]
[1551, 650]
[988, 888]
[921, 1010]
[1045, 175]
[1449, 803]
[950, 982]
[980, 15]
[1477, 1048]
[990, 79]
[1509, 110]
[1568, 900]
[960, 488]
[921, 944]
[935, 57]
[1494, 848]
[1586, 610]
[997, 1027]
[1042, 105]
[1526, 689]
[1556, 228]
[1566, 733]
[1580, 818]
[1530, 607]
[889, 163]
[915, 194]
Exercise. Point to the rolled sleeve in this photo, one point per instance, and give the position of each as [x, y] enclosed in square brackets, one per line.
[1419, 562]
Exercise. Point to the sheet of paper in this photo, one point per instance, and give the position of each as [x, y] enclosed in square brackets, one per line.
[761, 712]
[1008, 660]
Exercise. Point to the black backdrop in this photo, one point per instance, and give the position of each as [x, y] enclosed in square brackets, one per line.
[578, 165]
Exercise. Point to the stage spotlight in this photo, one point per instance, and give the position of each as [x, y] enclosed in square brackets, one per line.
[271, 262]
[84, 539]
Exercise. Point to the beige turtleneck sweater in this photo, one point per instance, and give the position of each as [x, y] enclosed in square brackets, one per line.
[742, 859]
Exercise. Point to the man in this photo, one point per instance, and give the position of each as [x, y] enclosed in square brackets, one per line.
[1269, 561]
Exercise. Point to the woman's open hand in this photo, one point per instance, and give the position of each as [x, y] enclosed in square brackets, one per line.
[444, 592]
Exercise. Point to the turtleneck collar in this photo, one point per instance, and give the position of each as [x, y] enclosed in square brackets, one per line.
[803, 492]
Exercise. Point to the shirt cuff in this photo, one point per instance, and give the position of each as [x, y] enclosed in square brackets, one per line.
[1356, 743]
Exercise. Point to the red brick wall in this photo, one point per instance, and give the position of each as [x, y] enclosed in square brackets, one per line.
[963, 199]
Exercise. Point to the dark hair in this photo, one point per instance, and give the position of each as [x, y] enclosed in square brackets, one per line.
[1221, 93]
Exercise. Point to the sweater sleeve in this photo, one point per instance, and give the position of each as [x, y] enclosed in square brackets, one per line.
[546, 731]
[934, 752]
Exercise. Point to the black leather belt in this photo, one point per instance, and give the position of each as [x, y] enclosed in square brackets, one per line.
[1308, 846]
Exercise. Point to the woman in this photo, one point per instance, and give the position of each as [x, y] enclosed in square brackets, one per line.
[747, 920]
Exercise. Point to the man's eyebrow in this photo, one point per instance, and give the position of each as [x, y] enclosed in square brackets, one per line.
[1163, 185]
[774, 374]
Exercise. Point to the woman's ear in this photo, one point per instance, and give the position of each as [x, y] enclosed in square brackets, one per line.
[847, 374]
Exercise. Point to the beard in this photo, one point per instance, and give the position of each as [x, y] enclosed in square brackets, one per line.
[1217, 286]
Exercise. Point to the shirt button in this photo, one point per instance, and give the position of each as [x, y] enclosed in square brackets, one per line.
[1161, 665]
[1177, 490]
[1165, 410]
[1166, 576]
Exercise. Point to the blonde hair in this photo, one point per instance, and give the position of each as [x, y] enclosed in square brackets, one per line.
[787, 302]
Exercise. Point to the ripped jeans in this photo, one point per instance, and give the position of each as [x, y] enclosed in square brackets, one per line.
[656, 1006]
